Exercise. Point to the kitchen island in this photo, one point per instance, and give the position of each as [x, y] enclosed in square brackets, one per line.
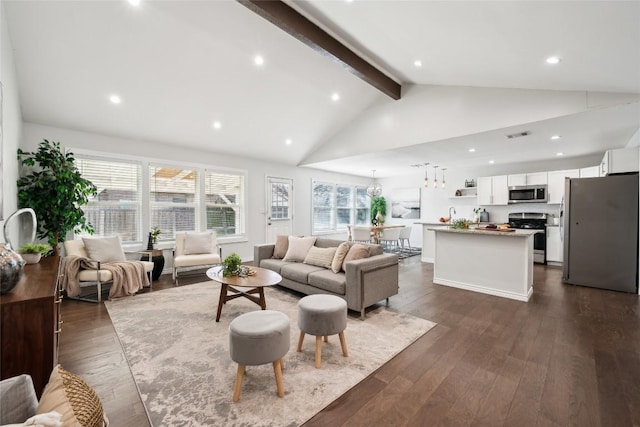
[492, 262]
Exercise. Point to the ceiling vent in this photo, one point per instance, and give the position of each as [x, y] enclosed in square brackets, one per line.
[518, 135]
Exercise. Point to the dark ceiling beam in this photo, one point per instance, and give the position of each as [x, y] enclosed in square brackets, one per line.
[289, 20]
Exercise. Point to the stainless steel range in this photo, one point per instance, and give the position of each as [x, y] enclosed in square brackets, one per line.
[533, 221]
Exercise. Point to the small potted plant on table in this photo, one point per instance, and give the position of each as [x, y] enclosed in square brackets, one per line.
[32, 252]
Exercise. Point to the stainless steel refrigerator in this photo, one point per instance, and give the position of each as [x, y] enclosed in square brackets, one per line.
[600, 220]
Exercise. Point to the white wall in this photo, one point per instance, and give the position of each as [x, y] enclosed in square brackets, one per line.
[11, 122]
[257, 171]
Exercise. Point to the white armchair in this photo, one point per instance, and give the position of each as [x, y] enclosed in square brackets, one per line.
[100, 271]
[195, 250]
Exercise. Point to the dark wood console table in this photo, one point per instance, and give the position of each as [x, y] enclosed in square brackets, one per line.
[30, 323]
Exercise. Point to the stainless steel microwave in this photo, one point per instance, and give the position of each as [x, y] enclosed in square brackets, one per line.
[528, 194]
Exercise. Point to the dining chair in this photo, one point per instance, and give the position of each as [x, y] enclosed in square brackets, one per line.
[390, 238]
[361, 234]
[405, 235]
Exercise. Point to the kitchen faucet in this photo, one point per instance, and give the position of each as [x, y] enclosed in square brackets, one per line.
[451, 208]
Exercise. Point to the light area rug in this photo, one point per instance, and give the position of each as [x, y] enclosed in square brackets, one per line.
[179, 357]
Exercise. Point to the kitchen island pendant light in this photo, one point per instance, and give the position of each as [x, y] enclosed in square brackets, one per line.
[374, 189]
[426, 175]
[443, 182]
[435, 177]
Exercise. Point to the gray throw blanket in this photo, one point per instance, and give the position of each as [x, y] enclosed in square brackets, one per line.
[128, 277]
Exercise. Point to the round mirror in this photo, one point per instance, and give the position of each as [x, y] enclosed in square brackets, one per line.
[20, 228]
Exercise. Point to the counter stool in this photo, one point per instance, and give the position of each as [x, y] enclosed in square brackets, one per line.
[322, 315]
[258, 338]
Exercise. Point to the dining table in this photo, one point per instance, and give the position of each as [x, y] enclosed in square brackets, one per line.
[376, 230]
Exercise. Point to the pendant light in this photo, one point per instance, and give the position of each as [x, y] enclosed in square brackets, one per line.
[435, 176]
[374, 189]
[426, 175]
[443, 183]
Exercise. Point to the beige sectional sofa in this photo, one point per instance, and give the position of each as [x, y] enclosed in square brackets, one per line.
[364, 282]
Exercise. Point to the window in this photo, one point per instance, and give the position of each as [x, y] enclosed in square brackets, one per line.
[335, 206]
[116, 209]
[173, 200]
[224, 200]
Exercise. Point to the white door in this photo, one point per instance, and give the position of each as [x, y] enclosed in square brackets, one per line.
[279, 212]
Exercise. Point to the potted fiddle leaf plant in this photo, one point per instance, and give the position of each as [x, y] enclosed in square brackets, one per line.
[54, 188]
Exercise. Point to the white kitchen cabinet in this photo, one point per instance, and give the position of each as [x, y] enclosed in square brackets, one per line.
[537, 178]
[590, 172]
[520, 179]
[619, 161]
[555, 184]
[493, 190]
[554, 244]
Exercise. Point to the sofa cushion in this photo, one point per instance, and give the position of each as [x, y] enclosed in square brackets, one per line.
[329, 281]
[321, 257]
[298, 248]
[298, 272]
[105, 249]
[338, 258]
[357, 251]
[281, 246]
[273, 264]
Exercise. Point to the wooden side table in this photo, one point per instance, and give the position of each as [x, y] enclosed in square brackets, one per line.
[157, 257]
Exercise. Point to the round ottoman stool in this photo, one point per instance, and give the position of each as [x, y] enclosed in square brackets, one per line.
[257, 338]
[322, 315]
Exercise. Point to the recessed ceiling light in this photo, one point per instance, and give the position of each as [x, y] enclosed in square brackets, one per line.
[554, 137]
[560, 153]
[288, 141]
[492, 162]
[417, 63]
[472, 150]
[217, 125]
[553, 60]
[134, 2]
[115, 99]
[258, 60]
[335, 96]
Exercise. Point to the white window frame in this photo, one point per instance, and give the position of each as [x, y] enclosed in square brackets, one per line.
[241, 204]
[144, 188]
[334, 229]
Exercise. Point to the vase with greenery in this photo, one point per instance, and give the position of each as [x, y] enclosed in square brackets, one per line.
[153, 238]
[54, 188]
[378, 205]
[231, 265]
[32, 252]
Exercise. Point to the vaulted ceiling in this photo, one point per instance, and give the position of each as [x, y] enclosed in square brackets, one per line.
[181, 66]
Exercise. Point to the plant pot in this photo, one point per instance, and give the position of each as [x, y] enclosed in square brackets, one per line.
[31, 258]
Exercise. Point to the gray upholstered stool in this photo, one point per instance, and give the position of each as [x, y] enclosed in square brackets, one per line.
[257, 338]
[322, 315]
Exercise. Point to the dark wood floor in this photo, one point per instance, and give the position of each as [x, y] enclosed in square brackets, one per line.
[570, 356]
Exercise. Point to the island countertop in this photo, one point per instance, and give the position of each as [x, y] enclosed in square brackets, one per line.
[516, 233]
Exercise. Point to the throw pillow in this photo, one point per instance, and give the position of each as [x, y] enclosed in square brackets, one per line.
[357, 251]
[69, 395]
[298, 248]
[338, 258]
[198, 243]
[281, 246]
[104, 249]
[320, 257]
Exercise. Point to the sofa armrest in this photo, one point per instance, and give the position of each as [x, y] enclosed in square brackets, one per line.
[261, 252]
[17, 399]
[370, 280]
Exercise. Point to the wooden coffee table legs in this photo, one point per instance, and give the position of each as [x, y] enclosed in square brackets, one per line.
[227, 293]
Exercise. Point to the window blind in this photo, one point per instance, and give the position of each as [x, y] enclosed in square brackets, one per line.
[173, 199]
[116, 209]
[224, 202]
